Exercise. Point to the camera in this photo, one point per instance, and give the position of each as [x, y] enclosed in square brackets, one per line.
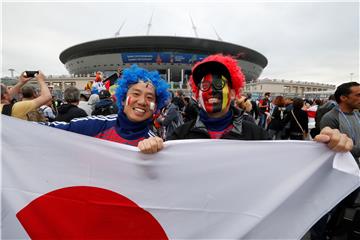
[30, 73]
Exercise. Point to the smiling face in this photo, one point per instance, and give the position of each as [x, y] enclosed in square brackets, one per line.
[215, 95]
[140, 102]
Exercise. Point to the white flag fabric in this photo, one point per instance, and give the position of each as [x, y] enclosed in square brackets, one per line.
[58, 184]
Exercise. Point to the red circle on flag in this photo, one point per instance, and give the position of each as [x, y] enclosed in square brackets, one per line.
[84, 212]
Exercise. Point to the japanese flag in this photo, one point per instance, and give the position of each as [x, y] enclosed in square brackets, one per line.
[58, 184]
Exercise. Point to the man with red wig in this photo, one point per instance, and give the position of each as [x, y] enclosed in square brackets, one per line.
[216, 81]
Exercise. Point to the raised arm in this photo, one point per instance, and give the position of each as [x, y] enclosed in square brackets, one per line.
[45, 94]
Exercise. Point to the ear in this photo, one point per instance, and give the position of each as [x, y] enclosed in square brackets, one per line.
[343, 98]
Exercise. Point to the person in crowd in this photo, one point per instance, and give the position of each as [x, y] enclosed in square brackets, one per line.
[254, 107]
[170, 118]
[311, 112]
[105, 106]
[191, 110]
[93, 99]
[215, 81]
[48, 111]
[320, 112]
[98, 85]
[22, 108]
[298, 120]
[83, 104]
[140, 94]
[264, 109]
[245, 105]
[276, 126]
[70, 110]
[178, 99]
[345, 117]
[29, 93]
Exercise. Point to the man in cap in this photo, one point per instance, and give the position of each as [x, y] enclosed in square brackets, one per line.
[215, 81]
[139, 94]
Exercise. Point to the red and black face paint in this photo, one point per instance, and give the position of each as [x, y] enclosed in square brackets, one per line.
[214, 93]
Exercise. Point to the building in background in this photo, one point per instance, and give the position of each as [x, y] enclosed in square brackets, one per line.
[288, 88]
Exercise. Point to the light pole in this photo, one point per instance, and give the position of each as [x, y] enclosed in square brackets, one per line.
[11, 72]
[351, 76]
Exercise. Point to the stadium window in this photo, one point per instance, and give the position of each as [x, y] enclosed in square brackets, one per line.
[111, 64]
[287, 89]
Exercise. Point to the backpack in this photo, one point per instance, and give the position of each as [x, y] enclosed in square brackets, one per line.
[7, 109]
[105, 110]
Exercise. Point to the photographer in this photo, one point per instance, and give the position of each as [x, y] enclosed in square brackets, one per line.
[22, 108]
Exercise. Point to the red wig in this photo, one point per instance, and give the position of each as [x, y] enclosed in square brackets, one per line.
[215, 63]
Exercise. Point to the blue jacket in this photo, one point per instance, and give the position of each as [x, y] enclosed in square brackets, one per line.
[116, 128]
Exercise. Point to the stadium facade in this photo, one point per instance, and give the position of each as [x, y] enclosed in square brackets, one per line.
[173, 57]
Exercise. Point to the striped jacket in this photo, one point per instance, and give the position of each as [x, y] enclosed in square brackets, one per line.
[111, 128]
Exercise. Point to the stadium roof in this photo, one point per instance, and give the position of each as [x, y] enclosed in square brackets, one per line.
[161, 44]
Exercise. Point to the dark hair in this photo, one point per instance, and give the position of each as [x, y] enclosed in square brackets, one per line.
[28, 91]
[318, 101]
[332, 97]
[72, 95]
[344, 90]
[267, 94]
[298, 103]
[3, 90]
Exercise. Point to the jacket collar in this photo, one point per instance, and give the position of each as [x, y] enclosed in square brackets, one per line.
[237, 122]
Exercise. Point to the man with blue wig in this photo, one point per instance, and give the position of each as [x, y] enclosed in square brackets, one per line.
[139, 94]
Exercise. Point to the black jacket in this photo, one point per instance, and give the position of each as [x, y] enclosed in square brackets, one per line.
[105, 107]
[243, 130]
[67, 112]
[302, 118]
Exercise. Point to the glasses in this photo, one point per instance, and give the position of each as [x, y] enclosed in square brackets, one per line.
[218, 84]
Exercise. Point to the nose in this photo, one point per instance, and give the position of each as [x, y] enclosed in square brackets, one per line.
[142, 100]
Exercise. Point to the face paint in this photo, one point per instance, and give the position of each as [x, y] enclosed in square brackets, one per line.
[152, 106]
[215, 95]
[127, 102]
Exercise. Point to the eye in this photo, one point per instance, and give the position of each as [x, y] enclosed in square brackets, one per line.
[135, 94]
[150, 98]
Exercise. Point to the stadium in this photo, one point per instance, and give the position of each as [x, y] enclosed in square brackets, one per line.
[172, 56]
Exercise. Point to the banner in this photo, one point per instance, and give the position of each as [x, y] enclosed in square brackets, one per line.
[58, 184]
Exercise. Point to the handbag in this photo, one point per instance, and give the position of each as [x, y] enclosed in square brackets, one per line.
[303, 132]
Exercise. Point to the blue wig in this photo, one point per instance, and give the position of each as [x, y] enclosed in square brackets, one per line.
[133, 75]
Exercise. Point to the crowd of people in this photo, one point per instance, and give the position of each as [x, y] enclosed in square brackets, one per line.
[144, 113]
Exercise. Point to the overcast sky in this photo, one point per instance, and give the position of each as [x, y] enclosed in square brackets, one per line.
[302, 41]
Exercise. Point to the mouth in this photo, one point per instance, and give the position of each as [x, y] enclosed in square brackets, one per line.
[213, 100]
[139, 110]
